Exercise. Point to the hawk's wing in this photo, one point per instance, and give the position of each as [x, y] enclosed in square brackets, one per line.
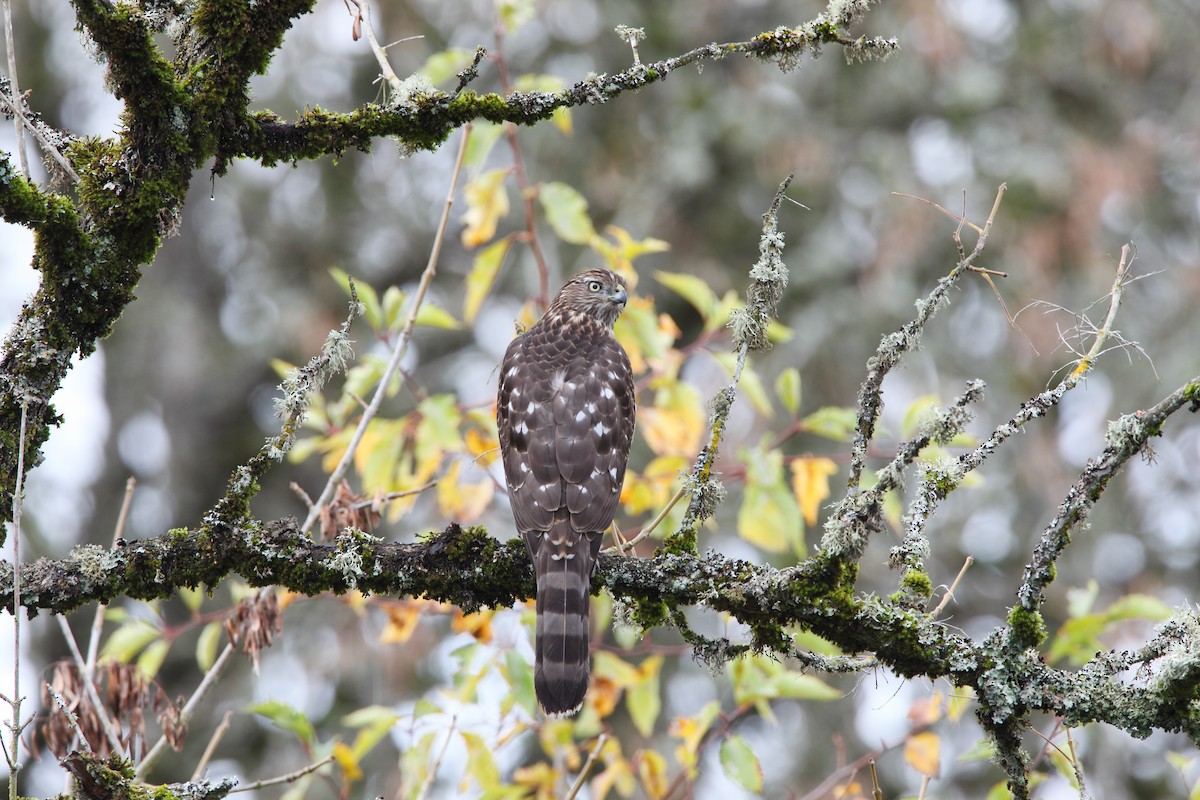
[565, 430]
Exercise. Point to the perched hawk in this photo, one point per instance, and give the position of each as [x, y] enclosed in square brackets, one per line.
[565, 412]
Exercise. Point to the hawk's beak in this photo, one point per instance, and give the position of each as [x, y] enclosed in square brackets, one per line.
[620, 296]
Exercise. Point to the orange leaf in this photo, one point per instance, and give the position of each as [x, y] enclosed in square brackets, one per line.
[810, 482]
[463, 502]
[487, 202]
[402, 621]
[927, 710]
[478, 624]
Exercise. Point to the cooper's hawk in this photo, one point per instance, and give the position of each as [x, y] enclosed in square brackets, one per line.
[565, 412]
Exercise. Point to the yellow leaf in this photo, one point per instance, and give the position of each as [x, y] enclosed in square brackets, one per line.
[652, 489]
[652, 773]
[463, 502]
[923, 752]
[769, 516]
[810, 482]
[647, 337]
[644, 698]
[355, 599]
[482, 277]
[675, 423]
[345, 759]
[487, 202]
[960, 702]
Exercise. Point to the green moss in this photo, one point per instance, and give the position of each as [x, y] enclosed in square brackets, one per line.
[680, 543]
[649, 614]
[917, 583]
[1028, 627]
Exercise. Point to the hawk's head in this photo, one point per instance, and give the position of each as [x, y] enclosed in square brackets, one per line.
[596, 293]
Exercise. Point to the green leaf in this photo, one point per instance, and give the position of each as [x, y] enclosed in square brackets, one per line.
[787, 389]
[433, 317]
[440, 420]
[519, 673]
[206, 646]
[446, 64]
[374, 723]
[366, 295]
[482, 276]
[691, 288]
[644, 699]
[802, 687]
[750, 384]
[192, 598]
[769, 516]
[566, 211]
[620, 672]
[1079, 638]
[128, 640]
[484, 136]
[151, 659]
[286, 718]
[393, 304]
[480, 764]
[832, 422]
[741, 765]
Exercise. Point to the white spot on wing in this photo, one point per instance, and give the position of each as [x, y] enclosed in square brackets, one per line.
[557, 381]
[599, 429]
[522, 429]
[580, 416]
[590, 407]
[612, 472]
[606, 393]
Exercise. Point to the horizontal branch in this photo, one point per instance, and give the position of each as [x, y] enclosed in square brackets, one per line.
[424, 119]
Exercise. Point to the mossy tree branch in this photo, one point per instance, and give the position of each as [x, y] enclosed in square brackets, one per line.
[179, 113]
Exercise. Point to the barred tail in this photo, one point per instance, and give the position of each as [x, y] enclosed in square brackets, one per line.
[563, 561]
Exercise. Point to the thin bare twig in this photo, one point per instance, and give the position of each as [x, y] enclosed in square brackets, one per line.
[625, 547]
[289, 778]
[15, 725]
[15, 99]
[527, 193]
[70, 715]
[89, 666]
[398, 351]
[185, 714]
[110, 729]
[437, 761]
[385, 66]
[587, 767]
[946, 598]
[217, 736]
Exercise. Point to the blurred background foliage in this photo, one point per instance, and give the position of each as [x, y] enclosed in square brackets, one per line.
[1087, 109]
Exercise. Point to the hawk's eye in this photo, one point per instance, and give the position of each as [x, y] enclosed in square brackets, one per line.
[593, 286]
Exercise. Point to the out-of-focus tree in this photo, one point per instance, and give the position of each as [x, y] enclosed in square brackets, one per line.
[611, 134]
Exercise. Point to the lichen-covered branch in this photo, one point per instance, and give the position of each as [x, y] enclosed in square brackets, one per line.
[768, 281]
[182, 111]
[425, 118]
[1127, 437]
[848, 527]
